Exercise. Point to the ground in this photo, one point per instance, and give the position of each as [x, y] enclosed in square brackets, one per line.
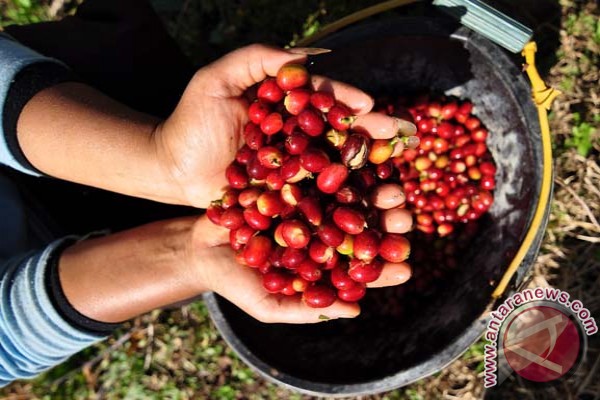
[178, 354]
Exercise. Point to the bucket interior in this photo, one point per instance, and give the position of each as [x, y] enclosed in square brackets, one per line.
[401, 328]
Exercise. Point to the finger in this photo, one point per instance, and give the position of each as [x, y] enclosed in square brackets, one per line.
[291, 310]
[309, 51]
[388, 196]
[393, 274]
[412, 142]
[232, 74]
[358, 101]
[380, 126]
[398, 148]
[243, 286]
[397, 220]
[405, 127]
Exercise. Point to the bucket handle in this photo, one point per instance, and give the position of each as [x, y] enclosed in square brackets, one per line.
[543, 97]
[474, 14]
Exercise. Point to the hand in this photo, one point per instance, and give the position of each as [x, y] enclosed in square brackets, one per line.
[116, 277]
[73, 132]
[216, 268]
[197, 142]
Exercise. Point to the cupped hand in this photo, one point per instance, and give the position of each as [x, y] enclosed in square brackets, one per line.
[199, 140]
[215, 267]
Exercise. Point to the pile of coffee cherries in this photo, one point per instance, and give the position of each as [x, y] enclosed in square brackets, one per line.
[450, 177]
[312, 204]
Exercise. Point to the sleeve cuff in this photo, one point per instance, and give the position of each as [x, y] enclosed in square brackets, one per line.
[62, 305]
[29, 81]
[23, 74]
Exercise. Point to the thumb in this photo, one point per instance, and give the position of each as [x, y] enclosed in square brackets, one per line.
[235, 72]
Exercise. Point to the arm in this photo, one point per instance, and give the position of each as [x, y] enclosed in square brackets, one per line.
[57, 301]
[60, 300]
[73, 132]
[54, 126]
[96, 141]
[117, 277]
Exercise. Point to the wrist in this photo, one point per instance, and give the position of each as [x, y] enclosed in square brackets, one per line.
[171, 173]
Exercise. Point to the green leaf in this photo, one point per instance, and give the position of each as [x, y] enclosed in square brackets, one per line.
[412, 394]
[324, 317]
[225, 393]
[570, 23]
[581, 139]
[23, 3]
[567, 83]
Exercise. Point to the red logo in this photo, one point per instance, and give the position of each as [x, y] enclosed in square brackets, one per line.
[541, 343]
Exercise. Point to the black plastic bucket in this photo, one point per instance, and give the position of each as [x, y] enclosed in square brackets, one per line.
[383, 350]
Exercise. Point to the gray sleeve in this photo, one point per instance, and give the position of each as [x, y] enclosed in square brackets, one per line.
[33, 335]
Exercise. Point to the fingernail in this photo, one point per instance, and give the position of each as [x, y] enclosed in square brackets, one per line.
[412, 142]
[309, 51]
[405, 127]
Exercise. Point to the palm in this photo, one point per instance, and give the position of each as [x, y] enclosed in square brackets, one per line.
[243, 286]
[206, 146]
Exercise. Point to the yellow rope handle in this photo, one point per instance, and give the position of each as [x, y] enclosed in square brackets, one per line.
[542, 97]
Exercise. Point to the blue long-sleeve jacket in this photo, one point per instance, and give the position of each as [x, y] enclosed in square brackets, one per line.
[36, 332]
